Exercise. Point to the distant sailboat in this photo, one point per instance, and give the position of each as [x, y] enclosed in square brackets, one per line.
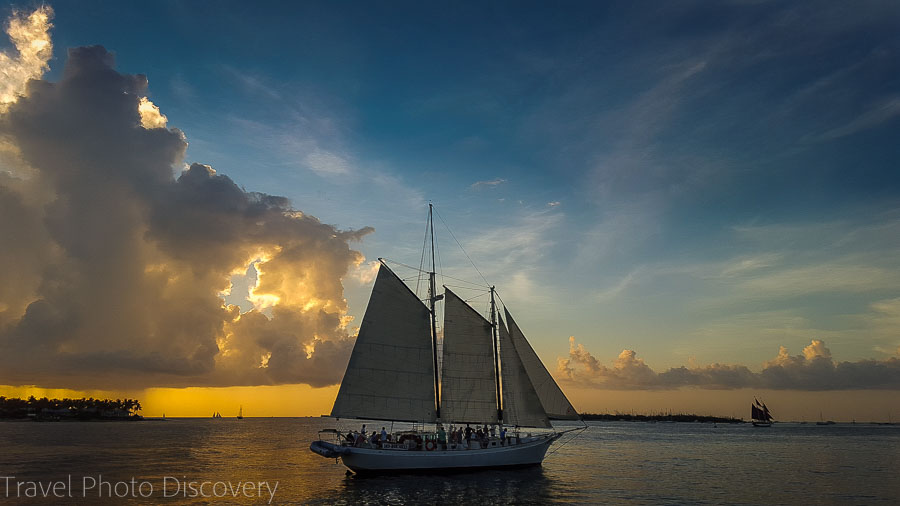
[759, 414]
[240, 413]
[823, 421]
[217, 415]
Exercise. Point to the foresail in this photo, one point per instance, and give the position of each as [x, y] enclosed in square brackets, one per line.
[521, 405]
[390, 375]
[468, 385]
[553, 400]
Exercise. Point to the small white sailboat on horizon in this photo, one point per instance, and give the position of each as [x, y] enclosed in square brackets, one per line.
[488, 375]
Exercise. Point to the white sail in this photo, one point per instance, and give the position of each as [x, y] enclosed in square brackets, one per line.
[521, 405]
[390, 375]
[553, 400]
[468, 384]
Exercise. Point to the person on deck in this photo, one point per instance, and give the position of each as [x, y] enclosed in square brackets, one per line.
[442, 437]
[384, 435]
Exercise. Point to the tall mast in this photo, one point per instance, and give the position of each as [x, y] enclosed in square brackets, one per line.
[496, 357]
[432, 298]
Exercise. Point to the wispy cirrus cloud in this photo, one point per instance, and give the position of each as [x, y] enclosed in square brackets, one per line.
[327, 163]
[876, 115]
[487, 184]
[513, 253]
[795, 259]
[840, 276]
[252, 83]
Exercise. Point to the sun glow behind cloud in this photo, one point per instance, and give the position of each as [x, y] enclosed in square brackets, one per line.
[150, 115]
[30, 34]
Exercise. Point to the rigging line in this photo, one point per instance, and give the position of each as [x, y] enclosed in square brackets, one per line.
[470, 298]
[480, 287]
[564, 443]
[501, 298]
[463, 249]
[481, 290]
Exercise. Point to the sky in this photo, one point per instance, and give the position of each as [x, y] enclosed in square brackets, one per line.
[684, 204]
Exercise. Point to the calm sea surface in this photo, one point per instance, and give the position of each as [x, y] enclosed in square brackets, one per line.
[610, 462]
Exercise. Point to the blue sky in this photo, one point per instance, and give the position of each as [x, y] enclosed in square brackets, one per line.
[697, 181]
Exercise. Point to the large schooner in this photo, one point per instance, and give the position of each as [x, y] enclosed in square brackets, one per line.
[489, 376]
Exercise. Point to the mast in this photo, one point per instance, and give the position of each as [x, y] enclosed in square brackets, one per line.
[496, 357]
[432, 298]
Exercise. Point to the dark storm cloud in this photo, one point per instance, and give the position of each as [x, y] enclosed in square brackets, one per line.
[113, 267]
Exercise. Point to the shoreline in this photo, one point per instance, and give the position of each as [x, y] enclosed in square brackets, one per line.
[679, 418]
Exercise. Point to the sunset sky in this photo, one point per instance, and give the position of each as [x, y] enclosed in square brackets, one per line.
[683, 204]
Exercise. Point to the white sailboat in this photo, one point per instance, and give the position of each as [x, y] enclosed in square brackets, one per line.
[490, 375]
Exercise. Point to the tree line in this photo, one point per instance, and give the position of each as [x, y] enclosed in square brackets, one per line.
[78, 409]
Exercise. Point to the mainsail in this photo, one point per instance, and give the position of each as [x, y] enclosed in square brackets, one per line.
[759, 411]
[468, 393]
[756, 413]
[552, 398]
[390, 374]
[521, 405]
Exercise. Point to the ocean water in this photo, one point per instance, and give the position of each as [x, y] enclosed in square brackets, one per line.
[609, 463]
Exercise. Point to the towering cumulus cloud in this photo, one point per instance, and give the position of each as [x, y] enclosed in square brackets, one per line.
[114, 268]
[814, 369]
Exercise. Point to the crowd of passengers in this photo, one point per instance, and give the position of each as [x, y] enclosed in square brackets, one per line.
[480, 436]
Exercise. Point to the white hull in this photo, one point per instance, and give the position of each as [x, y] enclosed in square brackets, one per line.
[529, 452]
